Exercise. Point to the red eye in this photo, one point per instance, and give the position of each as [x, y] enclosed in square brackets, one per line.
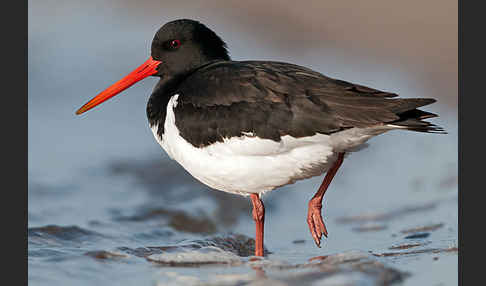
[174, 44]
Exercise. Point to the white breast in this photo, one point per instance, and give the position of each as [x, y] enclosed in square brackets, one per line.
[249, 164]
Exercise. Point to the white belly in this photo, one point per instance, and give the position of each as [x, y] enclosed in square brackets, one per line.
[249, 164]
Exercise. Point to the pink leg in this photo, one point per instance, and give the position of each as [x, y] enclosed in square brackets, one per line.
[259, 218]
[314, 217]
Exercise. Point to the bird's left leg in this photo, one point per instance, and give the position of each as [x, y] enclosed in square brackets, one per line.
[259, 218]
[314, 217]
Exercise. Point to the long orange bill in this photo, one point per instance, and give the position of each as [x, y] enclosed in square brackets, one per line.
[148, 68]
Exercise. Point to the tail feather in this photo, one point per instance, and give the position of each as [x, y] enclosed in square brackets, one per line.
[413, 120]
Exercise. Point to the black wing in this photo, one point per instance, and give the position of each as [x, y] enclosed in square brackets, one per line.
[273, 99]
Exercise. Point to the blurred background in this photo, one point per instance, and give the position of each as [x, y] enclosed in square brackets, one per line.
[99, 170]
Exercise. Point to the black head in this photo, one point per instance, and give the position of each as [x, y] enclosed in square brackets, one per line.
[183, 45]
[177, 48]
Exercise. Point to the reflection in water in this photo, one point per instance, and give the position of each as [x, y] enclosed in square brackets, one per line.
[260, 273]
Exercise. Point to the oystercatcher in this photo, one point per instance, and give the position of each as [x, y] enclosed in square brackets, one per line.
[248, 127]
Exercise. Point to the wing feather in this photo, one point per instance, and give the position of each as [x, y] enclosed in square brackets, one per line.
[273, 99]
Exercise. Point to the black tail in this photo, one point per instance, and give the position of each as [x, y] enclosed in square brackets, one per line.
[413, 119]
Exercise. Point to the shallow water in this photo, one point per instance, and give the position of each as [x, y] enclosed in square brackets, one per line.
[106, 205]
[148, 221]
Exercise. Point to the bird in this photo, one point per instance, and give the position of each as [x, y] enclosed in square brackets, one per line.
[249, 127]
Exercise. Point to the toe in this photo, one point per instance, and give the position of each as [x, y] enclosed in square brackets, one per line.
[317, 226]
[322, 226]
[314, 231]
[324, 230]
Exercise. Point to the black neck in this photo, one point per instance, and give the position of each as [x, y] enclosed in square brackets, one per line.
[157, 103]
[163, 91]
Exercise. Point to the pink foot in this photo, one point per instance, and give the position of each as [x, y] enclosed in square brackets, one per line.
[315, 222]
